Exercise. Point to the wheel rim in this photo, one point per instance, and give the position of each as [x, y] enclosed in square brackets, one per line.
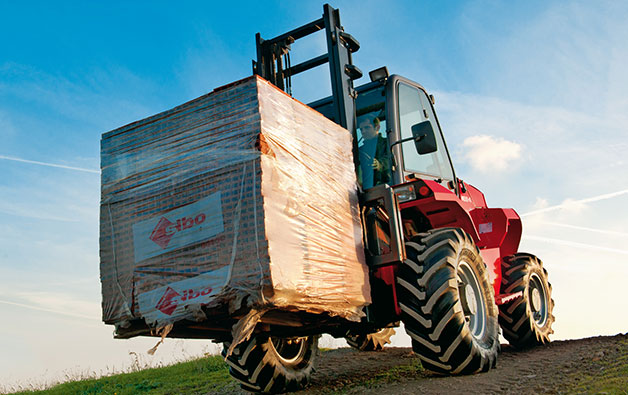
[290, 351]
[472, 299]
[537, 295]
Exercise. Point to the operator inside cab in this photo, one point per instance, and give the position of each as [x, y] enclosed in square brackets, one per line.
[374, 153]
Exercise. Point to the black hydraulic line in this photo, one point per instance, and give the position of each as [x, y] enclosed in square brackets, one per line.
[287, 74]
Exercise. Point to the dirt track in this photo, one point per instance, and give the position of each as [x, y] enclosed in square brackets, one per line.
[551, 369]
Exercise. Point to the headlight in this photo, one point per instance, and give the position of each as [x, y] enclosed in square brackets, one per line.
[405, 193]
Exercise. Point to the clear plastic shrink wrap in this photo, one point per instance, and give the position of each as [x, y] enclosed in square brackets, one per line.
[244, 195]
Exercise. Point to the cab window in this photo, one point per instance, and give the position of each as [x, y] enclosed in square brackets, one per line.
[414, 107]
[374, 152]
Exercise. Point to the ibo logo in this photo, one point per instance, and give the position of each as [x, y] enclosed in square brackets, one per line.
[184, 226]
[165, 229]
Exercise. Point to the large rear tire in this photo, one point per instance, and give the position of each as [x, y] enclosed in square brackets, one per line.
[526, 321]
[447, 303]
[370, 341]
[273, 365]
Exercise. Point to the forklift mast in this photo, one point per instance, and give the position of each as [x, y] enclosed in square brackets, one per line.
[273, 62]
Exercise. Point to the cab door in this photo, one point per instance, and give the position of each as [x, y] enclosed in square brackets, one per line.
[410, 104]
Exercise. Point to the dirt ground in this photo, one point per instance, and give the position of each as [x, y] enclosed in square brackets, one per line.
[555, 368]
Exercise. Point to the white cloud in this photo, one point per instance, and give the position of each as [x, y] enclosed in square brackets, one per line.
[540, 203]
[562, 153]
[573, 207]
[59, 166]
[47, 192]
[576, 206]
[582, 228]
[21, 210]
[45, 307]
[578, 245]
[61, 301]
[490, 154]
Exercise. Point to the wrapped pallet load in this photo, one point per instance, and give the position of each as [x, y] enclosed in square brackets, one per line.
[243, 200]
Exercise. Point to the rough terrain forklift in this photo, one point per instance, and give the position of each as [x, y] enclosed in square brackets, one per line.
[440, 260]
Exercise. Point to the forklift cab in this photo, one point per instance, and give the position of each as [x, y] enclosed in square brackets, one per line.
[396, 104]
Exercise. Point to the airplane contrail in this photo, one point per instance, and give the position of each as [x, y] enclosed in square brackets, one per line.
[587, 200]
[34, 162]
[75, 315]
[575, 244]
[607, 232]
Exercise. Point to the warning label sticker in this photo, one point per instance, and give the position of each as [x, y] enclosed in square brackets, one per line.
[486, 228]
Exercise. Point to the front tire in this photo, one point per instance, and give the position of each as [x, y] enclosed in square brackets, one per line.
[447, 303]
[526, 321]
[272, 365]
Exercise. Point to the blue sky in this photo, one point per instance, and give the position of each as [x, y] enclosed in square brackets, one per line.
[531, 96]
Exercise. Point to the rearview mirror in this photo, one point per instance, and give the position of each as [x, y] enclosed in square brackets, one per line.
[424, 138]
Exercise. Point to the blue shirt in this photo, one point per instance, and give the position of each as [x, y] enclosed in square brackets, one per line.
[367, 154]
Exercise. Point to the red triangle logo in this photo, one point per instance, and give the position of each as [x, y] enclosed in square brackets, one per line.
[168, 304]
[159, 235]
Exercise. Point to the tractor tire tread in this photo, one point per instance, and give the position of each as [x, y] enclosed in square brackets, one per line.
[515, 318]
[257, 367]
[436, 322]
[370, 341]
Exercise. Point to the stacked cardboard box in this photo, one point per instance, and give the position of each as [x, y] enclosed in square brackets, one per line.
[244, 195]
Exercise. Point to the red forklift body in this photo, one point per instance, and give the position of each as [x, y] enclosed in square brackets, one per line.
[495, 231]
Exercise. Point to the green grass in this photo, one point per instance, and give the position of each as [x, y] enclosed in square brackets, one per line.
[394, 374]
[410, 370]
[203, 375]
[611, 378]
